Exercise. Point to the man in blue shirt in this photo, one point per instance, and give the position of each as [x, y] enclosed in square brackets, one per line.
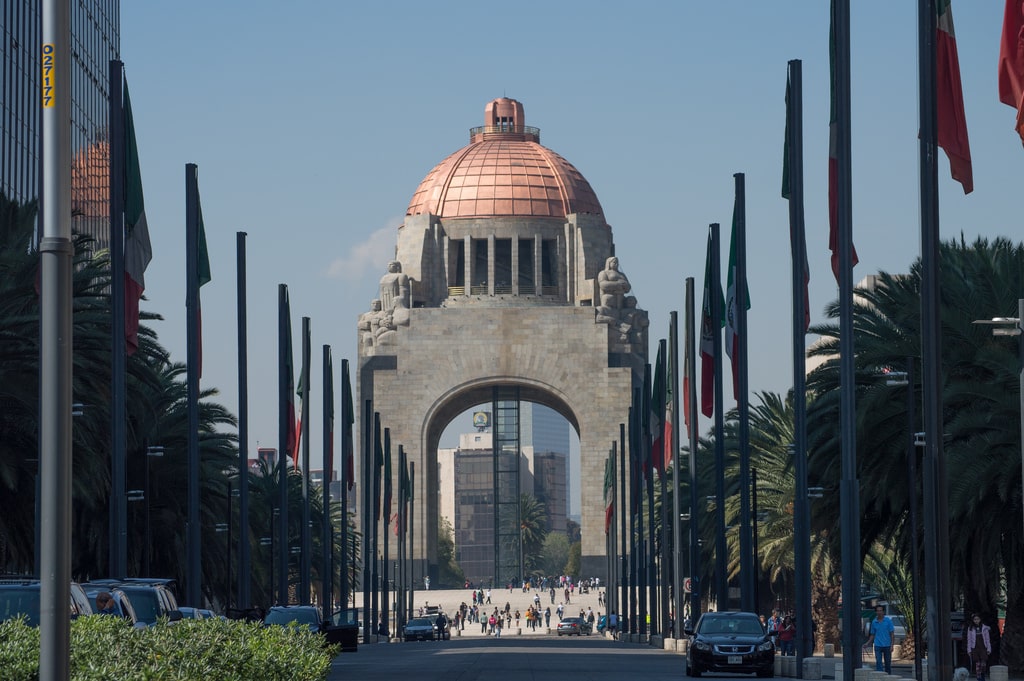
[881, 635]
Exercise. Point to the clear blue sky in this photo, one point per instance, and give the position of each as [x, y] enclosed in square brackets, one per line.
[313, 122]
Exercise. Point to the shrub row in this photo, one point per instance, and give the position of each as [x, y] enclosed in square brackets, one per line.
[107, 649]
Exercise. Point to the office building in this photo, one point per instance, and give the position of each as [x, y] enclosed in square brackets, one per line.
[95, 40]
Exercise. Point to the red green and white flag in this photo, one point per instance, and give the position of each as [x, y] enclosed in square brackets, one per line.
[732, 331]
[707, 342]
[609, 492]
[203, 278]
[1011, 61]
[833, 156]
[137, 248]
[952, 132]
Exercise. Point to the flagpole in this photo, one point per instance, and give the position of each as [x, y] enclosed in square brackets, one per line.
[347, 455]
[801, 521]
[624, 576]
[410, 543]
[285, 435]
[194, 543]
[721, 549]
[400, 588]
[56, 366]
[612, 588]
[743, 399]
[305, 563]
[118, 566]
[691, 371]
[244, 565]
[386, 517]
[375, 528]
[935, 497]
[327, 540]
[367, 495]
[634, 544]
[648, 615]
[665, 562]
[677, 530]
[849, 485]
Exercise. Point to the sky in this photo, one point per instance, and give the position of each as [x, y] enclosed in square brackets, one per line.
[312, 123]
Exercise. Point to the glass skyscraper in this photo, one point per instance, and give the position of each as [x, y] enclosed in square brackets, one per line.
[95, 40]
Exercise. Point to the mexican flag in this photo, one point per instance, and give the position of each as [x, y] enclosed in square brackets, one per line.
[609, 492]
[1011, 61]
[137, 248]
[952, 132]
[732, 332]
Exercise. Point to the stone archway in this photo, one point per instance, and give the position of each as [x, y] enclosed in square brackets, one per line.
[522, 292]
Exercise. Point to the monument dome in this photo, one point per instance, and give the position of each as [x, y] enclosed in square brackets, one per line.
[504, 171]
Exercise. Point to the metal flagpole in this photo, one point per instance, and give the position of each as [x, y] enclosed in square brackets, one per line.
[305, 557]
[801, 519]
[55, 371]
[849, 517]
[935, 502]
[118, 566]
[691, 371]
[743, 400]
[327, 540]
[284, 427]
[721, 549]
[244, 565]
[624, 576]
[367, 494]
[677, 530]
[194, 572]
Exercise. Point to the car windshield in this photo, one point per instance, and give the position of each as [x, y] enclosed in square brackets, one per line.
[730, 625]
[18, 601]
[288, 616]
[420, 622]
[146, 604]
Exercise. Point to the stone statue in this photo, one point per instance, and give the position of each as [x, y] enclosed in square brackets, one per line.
[394, 288]
[368, 322]
[612, 286]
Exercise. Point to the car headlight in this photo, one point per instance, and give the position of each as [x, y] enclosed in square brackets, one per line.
[700, 645]
[767, 645]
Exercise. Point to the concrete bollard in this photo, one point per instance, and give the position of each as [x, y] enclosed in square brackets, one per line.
[999, 672]
[669, 644]
[837, 672]
[789, 666]
[862, 673]
[924, 667]
[830, 650]
[812, 668]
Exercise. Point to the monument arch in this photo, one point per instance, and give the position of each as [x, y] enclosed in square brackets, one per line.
[505, 283]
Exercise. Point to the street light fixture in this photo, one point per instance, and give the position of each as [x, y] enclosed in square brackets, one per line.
[1011, 326]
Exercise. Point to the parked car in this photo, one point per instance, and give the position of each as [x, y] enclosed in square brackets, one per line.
[344, 629]
[122, 606]
[574, 625]
[19, 596]
[730, 642]
[899, 623]
[306, 616]
[149, 601]
[419, 629]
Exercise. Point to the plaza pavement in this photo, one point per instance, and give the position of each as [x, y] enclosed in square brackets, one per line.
[450, 599]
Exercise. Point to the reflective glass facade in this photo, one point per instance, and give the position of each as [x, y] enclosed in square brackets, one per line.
[95, 40]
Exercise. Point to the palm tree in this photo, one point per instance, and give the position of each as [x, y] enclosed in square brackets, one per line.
[981, 402]
[533, 519]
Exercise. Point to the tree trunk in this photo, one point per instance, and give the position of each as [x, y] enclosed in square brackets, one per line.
[825, 612]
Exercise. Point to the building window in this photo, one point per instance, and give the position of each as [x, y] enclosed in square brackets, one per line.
[549, 266]
[526, 283]
[502, 266]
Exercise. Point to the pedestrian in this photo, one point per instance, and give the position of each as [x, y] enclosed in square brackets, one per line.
[979, 645]
[773, 625]
[787, 635]
[881, 635]
[105, 604]
[517, 617]
[488, 596]
[613, 623]
[547, 617]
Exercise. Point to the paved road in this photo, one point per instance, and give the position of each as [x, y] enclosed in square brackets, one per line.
[522, 658]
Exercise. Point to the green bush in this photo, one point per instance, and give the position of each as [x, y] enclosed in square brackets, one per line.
[107, 649]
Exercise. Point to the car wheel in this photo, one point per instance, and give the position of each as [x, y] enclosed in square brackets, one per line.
[692, 672]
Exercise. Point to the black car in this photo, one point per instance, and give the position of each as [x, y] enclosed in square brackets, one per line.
[730, 642]
[305, 616]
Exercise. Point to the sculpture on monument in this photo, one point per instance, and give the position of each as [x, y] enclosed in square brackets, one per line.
[617, 309]
[388, 312]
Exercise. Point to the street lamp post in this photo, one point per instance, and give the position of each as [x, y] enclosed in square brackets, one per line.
[151, 451]
[896, 379]
[1011, 326]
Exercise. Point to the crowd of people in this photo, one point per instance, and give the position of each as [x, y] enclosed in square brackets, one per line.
[782, 628]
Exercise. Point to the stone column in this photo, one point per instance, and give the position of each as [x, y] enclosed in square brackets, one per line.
[515, 265]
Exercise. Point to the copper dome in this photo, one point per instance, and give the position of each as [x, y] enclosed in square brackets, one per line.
[504, 171]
